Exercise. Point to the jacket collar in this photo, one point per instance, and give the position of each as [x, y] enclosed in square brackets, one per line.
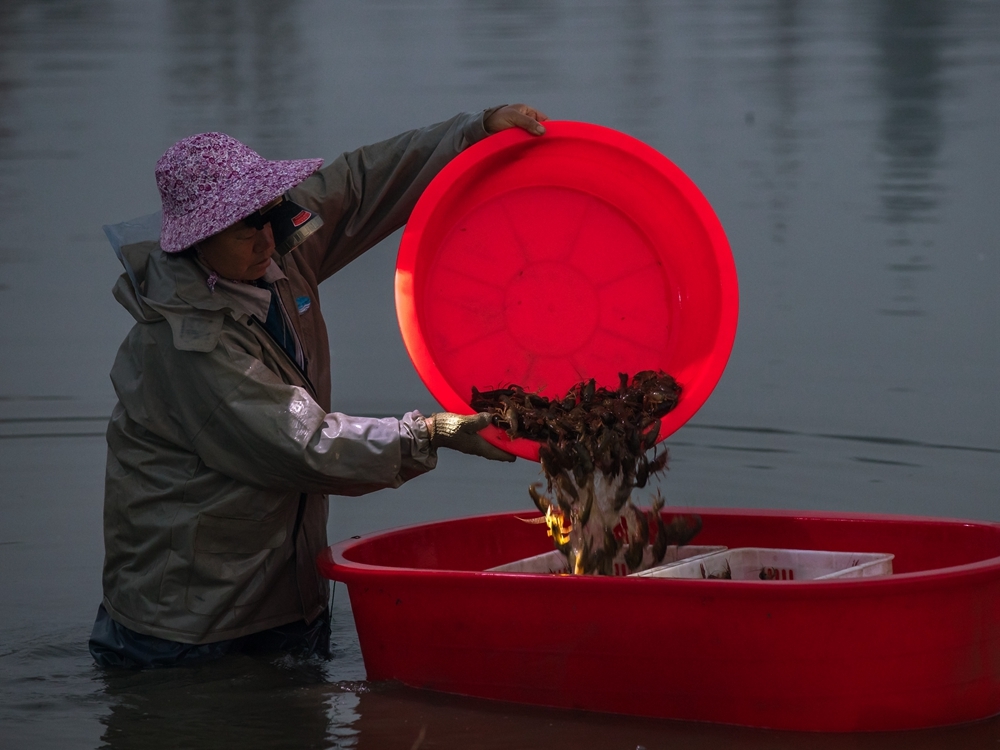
[157, 286]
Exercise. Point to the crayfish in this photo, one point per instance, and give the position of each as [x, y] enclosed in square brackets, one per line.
[595, 449]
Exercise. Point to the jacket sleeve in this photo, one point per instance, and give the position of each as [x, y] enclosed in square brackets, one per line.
[244, 422]
[364, 196]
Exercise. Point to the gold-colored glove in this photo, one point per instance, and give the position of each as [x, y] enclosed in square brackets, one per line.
[460, 433]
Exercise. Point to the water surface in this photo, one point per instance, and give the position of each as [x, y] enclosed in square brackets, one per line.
[848, 147]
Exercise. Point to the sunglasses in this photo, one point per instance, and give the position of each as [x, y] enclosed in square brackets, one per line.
[261, 216]
[290, 222]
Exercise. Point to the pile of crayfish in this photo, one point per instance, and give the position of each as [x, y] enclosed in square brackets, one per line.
[594, 451]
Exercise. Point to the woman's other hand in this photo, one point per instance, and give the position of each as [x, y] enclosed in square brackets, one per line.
[460, 432]
[521, 116]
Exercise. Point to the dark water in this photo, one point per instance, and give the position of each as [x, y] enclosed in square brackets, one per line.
[850, 149]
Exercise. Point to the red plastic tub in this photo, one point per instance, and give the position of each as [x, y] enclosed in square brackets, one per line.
[920, 648]
[545, 261]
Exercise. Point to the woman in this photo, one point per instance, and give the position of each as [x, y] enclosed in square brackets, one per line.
[222, 446]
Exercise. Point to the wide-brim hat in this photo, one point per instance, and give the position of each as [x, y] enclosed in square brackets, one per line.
[210, 181]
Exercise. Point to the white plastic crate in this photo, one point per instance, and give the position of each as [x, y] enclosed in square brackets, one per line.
[555, 561]
[766, 564]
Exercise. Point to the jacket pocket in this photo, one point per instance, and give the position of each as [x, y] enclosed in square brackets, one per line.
[233, 562]
[219, 534]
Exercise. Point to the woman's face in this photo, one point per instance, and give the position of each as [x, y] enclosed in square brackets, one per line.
[239, 252]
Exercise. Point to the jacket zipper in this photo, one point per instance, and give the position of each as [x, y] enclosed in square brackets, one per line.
[300, 511]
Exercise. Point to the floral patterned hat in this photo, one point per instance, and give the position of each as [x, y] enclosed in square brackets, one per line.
[210, 181]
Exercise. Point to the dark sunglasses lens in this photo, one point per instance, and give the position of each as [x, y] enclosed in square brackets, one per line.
[255, 220]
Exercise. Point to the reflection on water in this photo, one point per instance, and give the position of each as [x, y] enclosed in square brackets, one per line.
[239, 702]
[642, 67]
[53, 42]
[238, 63]
[771, 60]
[781, 25]
[392, 716]
[506, 42]
[909, 41]
[8, 18]
[910, 37]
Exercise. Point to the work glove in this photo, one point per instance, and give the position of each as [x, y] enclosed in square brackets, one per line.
[460, 433]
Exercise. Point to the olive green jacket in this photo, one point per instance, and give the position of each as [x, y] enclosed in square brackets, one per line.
[221, 449]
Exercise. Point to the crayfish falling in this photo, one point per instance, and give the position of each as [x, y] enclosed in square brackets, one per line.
[594, 445]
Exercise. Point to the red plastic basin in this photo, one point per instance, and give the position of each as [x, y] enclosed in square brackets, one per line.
[919, 648]
[544, 261]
